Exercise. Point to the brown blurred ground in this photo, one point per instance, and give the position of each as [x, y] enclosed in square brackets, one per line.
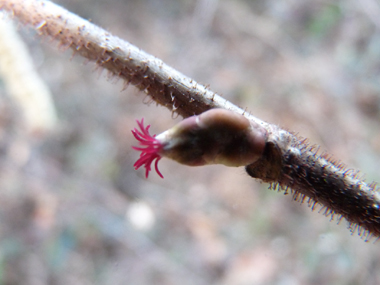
[69, 202]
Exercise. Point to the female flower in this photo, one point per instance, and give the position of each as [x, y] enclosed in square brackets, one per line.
[217, 136]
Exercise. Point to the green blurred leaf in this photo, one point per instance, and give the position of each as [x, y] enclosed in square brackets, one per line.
[325, 20]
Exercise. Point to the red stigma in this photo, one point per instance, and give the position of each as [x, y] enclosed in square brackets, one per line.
[150, 147]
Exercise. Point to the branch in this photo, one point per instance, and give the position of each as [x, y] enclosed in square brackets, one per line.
[287, 162]
[167, 86]
[23, 82]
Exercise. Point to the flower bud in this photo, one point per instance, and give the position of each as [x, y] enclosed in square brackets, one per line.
[217, 136]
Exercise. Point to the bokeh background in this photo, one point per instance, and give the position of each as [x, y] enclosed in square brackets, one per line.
[74, 211]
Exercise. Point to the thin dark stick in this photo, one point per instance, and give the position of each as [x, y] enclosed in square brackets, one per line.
[288, 162]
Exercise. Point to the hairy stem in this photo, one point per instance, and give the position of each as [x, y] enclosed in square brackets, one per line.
[287, 161]
[290, 163]
[167, 86]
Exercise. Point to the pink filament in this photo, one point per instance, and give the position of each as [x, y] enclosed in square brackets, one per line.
[150, 147]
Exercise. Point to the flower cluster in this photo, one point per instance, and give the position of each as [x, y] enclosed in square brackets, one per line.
[149, 147]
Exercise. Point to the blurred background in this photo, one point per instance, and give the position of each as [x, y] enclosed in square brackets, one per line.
[74, 211]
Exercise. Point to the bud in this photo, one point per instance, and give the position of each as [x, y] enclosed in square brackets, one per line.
[217, 136]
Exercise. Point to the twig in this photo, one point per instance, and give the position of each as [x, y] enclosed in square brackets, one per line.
[167, 86]
[23, 82]
[288, 162]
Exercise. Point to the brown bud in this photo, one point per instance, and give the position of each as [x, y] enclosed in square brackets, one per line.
[217, 136]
